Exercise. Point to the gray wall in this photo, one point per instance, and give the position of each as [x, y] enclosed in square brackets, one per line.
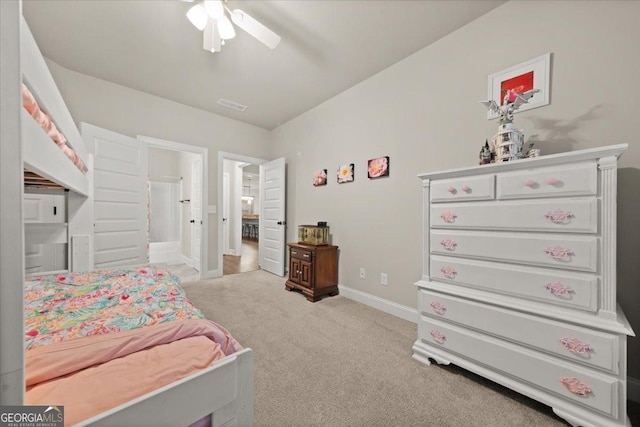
[133, 113]
[423, 113]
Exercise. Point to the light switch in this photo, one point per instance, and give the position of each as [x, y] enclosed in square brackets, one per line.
[211, 209]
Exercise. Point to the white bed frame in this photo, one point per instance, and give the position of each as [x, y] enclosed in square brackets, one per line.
[224, 390]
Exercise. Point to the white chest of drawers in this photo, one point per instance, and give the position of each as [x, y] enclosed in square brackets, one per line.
[519, 280]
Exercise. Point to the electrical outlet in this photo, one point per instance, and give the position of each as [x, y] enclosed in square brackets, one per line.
[383, 278]
[362, 274]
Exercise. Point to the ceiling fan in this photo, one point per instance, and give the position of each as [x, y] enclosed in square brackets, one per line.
[209, 17]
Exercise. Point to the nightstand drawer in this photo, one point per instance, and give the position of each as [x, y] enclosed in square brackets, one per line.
[461, 189]
[563, 288]
[574, 180]
[301, 254]
[560, 215]
[553, 250]
[565, 379]
[581, 345]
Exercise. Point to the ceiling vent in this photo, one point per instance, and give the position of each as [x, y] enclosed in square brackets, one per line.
[231, 104]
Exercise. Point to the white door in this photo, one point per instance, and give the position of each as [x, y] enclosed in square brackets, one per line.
[196, 212]
[120, 198]
[226, 209]
[272, 216]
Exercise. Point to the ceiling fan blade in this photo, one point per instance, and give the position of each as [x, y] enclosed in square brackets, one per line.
[255, 28]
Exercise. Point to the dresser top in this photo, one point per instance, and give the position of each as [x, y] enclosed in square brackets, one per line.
[549, 160]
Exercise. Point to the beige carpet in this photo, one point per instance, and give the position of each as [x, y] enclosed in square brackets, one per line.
[337, 362]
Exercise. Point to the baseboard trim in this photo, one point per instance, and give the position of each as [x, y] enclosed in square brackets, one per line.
[186, 260]
[633, 389]
[212, 274]
[389, 307]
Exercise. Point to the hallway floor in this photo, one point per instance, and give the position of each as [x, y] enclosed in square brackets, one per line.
[242, 264]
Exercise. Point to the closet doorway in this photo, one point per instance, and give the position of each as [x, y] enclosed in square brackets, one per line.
[177, 199]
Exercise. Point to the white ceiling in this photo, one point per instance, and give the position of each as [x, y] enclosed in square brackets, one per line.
[327, 46]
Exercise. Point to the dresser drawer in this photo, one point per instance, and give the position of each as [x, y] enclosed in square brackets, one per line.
[560, 215]
[564, 288]
[553, 250]
[601, 391]
[589, 347]
[580, 179]
[300, 253]
[461, 189]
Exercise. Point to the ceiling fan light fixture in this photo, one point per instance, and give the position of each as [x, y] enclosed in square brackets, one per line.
[255, 28]
[198, 16]
[211, 38]
[214, 8]
[225, 28]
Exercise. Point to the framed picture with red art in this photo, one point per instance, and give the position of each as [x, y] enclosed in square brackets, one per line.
[505, 85]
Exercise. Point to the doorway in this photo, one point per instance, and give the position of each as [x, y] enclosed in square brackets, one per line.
[178, 199]
[240, 216]
[239, 201]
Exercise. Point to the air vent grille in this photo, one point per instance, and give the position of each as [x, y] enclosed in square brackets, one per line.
[231, 104]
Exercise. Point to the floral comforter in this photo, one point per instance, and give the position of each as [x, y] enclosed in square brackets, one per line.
[73, 305]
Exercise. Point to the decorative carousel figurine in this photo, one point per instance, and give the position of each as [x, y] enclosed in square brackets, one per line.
[507, 144]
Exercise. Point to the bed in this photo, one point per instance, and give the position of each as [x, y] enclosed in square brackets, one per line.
[219, 392]
[97, 340]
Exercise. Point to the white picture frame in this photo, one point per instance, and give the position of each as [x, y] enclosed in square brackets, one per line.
[540, 67]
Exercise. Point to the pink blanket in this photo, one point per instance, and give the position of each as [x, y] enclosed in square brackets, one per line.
[93, 374]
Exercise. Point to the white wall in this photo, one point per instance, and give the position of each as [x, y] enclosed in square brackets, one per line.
[133, 113]
[423, 113]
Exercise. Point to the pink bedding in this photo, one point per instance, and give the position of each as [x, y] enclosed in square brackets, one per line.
[96, 340]
[31, 105]
[93, 374]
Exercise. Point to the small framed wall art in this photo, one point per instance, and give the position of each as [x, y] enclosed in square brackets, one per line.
[345, 173]
[320, 177]
[378, 167]
[532, 74]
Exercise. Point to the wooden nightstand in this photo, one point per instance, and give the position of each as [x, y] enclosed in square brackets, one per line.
[313, 270]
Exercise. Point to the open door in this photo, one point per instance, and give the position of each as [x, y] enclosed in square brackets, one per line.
[120, 198]
[272, 216]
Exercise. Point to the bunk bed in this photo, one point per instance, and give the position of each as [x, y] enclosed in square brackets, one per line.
[220, 393]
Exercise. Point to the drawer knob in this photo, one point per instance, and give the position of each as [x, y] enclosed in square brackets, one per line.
[449, 244]
[558, 252]
[438, 336]
[438, 307]
[575, 386]
[449, 217]
[466, 188]
[558, 289]
[559, 216]
[553, 181]
[452, 190]
[449, 272]
[575, 346]
[530, 183]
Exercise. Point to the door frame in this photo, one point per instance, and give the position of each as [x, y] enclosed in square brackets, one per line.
[204, 154]
[222, 156]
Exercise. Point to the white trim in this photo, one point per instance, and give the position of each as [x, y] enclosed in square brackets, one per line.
[204, 153]
[389, 307]
[186, 260]
[633, 389]
[212, 274]
[222, 156]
